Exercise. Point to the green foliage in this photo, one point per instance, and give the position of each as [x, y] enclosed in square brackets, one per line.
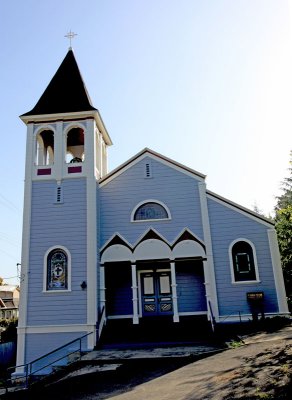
[283, 222]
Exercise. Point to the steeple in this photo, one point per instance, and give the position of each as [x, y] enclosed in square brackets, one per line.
[66, 93]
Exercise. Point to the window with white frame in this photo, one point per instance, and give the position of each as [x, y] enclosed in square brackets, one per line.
[57, 270]
[149, 211]
[243, 261]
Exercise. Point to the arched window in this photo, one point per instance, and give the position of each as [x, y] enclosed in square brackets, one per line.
[150, 210]
[75, 145]
[57, 270]
[45, 147]
[243, 260]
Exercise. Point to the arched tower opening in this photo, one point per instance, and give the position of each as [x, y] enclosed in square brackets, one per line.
[45, 148]
[75, 145]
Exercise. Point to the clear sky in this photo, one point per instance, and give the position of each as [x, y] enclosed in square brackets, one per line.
[205, 82]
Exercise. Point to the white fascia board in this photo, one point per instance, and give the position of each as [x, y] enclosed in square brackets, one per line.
[146, 232]
[69, 116]
[155, 156]
[111, 238]
[237, 207]
[57, 328]
[56, 117]
[101, 126]
[186, 229]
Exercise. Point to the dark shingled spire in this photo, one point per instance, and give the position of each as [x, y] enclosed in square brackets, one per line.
[65, 93]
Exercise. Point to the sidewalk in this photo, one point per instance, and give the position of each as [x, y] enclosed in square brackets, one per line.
[216, 377]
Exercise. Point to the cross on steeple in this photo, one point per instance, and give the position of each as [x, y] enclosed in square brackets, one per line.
[70, 35]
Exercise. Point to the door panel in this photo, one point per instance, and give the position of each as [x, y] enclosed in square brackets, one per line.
[156, 293]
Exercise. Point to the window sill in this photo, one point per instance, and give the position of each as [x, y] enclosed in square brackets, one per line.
[56, 291]
[151, 220]
[245, 282]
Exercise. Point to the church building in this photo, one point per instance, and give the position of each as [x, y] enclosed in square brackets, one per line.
[146, 241]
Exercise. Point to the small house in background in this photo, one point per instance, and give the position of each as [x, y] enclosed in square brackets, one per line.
[9, 301]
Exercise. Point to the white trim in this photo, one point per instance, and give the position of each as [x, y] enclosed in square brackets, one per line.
[56, 328]
[38, 128]
[140, 238]
[233, 281]
[145, 233]
[188, 248]
[73, 124]
[277, 270]
[191, 233]
[69, 116]
[67, 127]
[181, 314]
[111, 238]
[116, 253]
[23, 300]
[91, 217]
[135, 294]
[174, 292]
[150, 220]
[155, 156]
[209, 268]
[152, 249]
[45, 290]
[36, 134]
[59, 150]
[102, 288]
[126, 316]
[246, 282]
[238, 208]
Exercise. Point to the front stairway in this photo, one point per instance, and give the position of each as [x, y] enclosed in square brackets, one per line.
[154, 331]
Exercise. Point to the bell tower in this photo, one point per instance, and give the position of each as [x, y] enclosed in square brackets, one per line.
[66, 154]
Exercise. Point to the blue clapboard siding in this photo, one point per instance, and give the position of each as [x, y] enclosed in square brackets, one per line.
[39, 344]
[226, 225]
[190, 287]
[175, 189]
[119, 295]
[52, 225]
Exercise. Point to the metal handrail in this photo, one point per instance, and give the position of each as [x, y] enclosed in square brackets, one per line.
[28, 366]
[213, 320]
[232, 315]
[102, 321]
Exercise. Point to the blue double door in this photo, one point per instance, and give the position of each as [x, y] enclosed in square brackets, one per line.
[156, 293]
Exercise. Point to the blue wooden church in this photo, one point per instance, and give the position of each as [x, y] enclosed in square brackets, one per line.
[146, 241]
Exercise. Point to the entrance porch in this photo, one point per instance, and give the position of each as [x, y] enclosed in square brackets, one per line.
[155, 284]
[160, 289]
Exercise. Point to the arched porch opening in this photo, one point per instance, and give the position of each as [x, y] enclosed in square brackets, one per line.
[153, 279]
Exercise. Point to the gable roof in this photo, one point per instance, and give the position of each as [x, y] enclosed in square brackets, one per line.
[154, 155]
[65, 93]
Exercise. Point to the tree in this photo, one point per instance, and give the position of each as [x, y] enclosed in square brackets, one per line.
[1, 281]
[283, 222]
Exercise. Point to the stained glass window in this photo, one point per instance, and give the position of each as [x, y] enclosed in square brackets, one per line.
[57, 270]
[243, 262]
[150, 211]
